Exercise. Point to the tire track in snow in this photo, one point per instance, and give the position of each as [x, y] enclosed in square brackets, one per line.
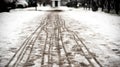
[55, 53]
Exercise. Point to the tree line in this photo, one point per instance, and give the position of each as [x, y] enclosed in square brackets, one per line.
[107, 5]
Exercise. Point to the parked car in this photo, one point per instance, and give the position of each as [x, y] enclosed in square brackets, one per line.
[21, 4]
[72, 4]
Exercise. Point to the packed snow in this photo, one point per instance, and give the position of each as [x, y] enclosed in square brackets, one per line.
[98, 30]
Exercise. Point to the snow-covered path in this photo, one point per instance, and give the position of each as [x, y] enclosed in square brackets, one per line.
[65, 38]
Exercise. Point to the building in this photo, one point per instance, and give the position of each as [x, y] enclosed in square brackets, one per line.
[56, 3]
[53, 3]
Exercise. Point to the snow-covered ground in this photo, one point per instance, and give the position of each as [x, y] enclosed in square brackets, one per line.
[15, 26]
[99, 31]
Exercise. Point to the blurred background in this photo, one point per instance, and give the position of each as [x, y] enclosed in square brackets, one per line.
[105, 5]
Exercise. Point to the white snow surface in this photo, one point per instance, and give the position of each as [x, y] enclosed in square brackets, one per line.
[106, 24]
[15, 26]
[99, 31]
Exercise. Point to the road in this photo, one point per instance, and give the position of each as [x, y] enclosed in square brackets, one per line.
[55, 43]
[53, 50]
